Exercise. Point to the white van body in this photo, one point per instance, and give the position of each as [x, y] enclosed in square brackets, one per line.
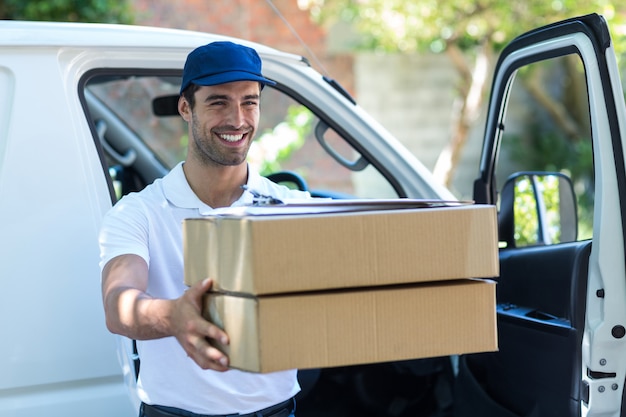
[57, 357]
[88, 114]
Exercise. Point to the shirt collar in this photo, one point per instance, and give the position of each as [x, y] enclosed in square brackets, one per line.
[179, 193]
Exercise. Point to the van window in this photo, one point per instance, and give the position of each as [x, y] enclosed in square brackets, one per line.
[143, 137]
[550, 130]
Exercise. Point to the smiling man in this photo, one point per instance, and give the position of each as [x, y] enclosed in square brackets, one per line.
[142, 256]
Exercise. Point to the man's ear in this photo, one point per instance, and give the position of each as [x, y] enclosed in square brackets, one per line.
[184, 109]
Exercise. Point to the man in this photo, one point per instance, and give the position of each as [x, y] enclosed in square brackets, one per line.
[141, 249]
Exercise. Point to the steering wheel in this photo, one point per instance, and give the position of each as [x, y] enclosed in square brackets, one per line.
[289, 177]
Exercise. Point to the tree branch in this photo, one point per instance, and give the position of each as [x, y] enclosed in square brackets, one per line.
[556, 110]
[474, 83]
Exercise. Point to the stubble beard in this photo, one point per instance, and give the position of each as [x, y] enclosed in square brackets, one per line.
[208, 154]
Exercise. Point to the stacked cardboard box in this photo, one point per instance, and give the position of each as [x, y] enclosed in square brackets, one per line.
[315, 289]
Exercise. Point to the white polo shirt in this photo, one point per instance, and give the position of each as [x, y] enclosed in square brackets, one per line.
[149, 224]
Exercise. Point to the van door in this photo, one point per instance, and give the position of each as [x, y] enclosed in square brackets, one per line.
[556, 105]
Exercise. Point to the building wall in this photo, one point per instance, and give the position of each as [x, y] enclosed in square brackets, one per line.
[253, 20]
[413, 96]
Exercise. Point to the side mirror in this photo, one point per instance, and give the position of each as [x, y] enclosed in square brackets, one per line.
[537, 208]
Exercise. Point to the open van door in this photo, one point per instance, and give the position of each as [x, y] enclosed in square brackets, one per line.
[562, 289]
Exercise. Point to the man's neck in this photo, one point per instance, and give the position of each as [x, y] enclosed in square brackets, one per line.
[216, 186]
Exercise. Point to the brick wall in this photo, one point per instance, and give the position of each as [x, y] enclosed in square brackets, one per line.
[254, 20]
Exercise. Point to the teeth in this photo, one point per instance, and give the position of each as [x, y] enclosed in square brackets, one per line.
[232, 138]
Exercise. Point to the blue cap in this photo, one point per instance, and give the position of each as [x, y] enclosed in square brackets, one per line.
[222, 62]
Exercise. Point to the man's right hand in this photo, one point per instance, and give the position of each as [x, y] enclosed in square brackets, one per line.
[193, 332]
[131, 312]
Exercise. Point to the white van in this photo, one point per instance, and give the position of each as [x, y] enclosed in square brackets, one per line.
[78, 129]
[87, 114]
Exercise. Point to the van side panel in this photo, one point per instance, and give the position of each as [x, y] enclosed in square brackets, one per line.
[58, 359]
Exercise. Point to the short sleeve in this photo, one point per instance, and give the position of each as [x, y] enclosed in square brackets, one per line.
[124, 231]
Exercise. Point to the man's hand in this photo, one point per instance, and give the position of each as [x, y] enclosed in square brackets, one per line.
[193, 332]
[131, 312]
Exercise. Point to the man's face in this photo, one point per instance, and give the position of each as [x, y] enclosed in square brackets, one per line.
[223, 122]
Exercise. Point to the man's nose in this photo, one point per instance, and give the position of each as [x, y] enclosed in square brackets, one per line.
[236, 116]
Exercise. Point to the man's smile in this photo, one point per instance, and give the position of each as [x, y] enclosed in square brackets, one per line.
[232, 138]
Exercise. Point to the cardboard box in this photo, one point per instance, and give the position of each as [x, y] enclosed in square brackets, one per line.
[326, 329]
[272, 254]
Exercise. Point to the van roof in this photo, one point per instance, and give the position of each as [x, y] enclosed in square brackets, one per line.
[28, 33]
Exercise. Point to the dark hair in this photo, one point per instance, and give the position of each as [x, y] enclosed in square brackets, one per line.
[189, 94]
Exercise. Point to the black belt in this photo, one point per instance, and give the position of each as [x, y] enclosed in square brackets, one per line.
[283, 409]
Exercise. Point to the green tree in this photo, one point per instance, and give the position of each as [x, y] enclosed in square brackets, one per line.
[97, 11]
[276, 145]
[471, 33]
